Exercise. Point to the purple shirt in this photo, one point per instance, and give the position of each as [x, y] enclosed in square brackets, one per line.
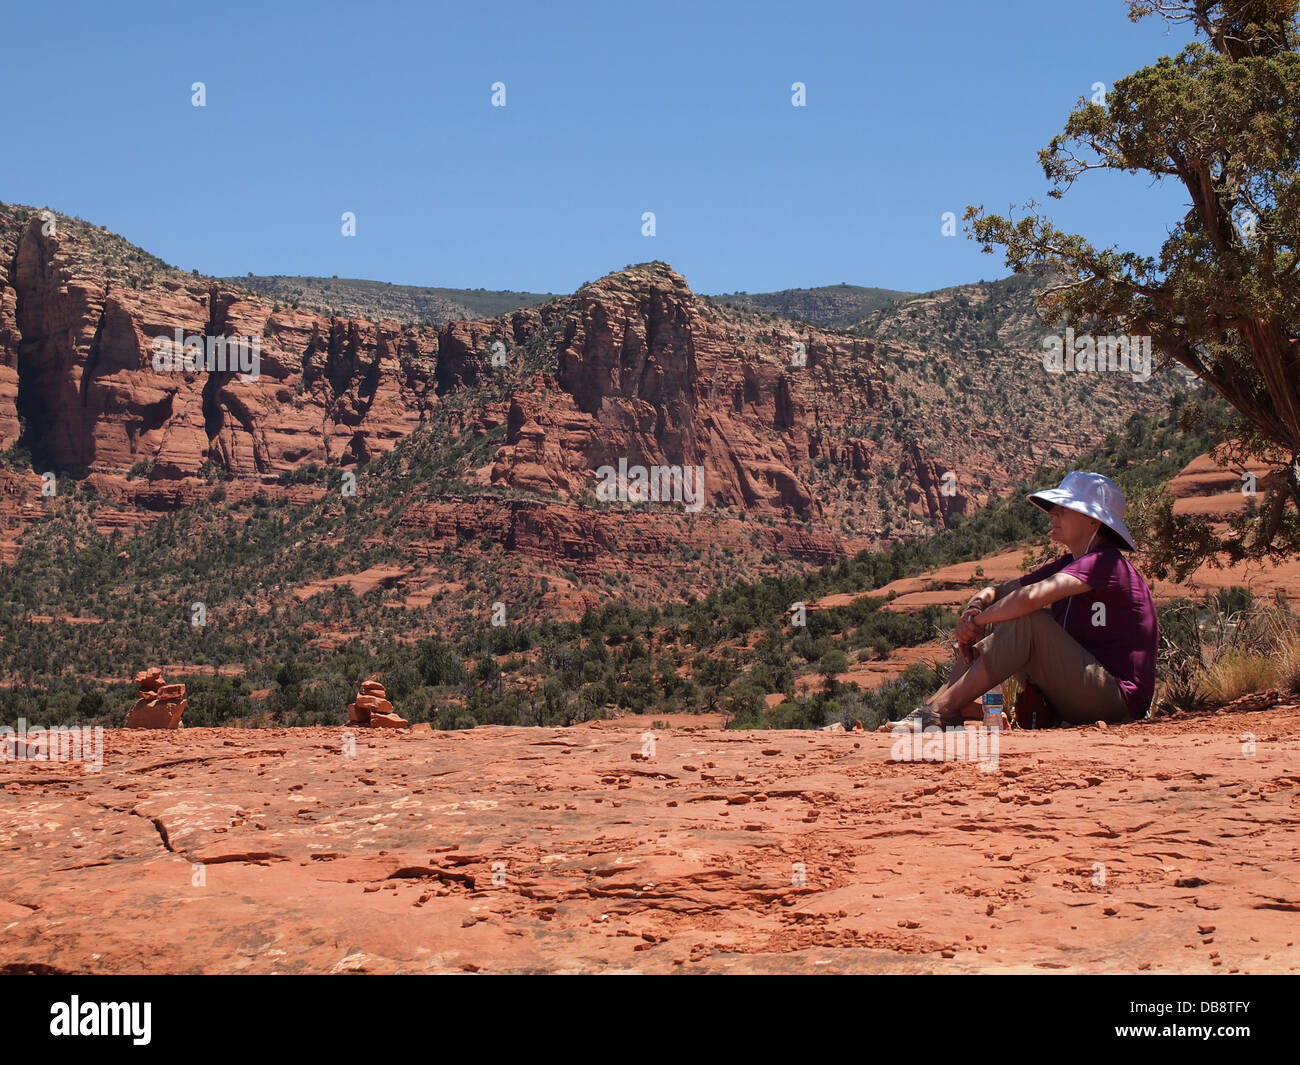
[1123, 632]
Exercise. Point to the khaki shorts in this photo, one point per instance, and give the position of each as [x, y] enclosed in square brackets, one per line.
[1079, 687]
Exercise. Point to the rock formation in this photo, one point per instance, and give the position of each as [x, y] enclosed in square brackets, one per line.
[78, 349]
[373, 708]
[160, 704]
[834, 442]
[632, 366]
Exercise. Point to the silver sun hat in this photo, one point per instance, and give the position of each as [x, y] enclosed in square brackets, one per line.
[1092, 494]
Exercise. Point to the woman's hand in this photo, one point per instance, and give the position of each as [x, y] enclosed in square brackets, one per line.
[969, 632]
[969, 627]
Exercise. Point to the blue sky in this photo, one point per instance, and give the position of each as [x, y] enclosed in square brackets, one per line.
[612, 109]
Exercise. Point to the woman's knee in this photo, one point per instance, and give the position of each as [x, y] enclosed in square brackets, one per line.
[1007, 649]
[1041, 620]
[1025, 625]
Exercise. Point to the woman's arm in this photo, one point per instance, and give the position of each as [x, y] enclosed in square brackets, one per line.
[990, 595]
[967, 631]
[1025, 600]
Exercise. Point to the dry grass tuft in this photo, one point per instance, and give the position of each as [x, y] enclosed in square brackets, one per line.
[1223, 655]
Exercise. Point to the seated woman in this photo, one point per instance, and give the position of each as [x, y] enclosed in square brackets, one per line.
[1093, 653]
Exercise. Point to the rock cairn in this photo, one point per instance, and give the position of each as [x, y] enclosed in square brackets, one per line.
[159, 705]
[373, 708]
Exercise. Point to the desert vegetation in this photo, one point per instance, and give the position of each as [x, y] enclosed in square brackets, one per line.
[82, 611]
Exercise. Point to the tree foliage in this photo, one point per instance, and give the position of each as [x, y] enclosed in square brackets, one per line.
[1222, 118]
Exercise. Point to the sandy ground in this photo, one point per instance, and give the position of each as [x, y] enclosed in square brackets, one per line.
[1162, 847]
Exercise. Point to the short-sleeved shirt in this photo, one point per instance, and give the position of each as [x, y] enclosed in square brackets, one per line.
[1116, 621]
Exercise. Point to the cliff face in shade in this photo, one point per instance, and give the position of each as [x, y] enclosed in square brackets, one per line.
[9, 335]
[643, 372]
[76, 361]
[775, 413]
[643, 375]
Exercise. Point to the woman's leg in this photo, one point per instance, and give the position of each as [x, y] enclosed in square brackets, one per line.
[965, 684]
[1074, 682]
[958, 668]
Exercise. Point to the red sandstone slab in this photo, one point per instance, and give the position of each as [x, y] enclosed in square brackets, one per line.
[522, 850]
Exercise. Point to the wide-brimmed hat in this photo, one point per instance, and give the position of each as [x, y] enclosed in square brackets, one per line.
[1092, 494]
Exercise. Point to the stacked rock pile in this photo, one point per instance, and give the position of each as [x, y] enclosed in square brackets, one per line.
[159, 705]
[373, 708]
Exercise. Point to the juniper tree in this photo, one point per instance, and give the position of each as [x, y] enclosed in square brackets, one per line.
[1222, 119]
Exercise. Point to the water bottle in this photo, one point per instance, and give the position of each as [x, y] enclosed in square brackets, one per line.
[992, 703]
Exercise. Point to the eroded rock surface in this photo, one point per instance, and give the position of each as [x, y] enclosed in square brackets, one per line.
[1161, 846]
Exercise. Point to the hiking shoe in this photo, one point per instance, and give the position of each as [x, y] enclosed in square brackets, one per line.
[920, 719]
